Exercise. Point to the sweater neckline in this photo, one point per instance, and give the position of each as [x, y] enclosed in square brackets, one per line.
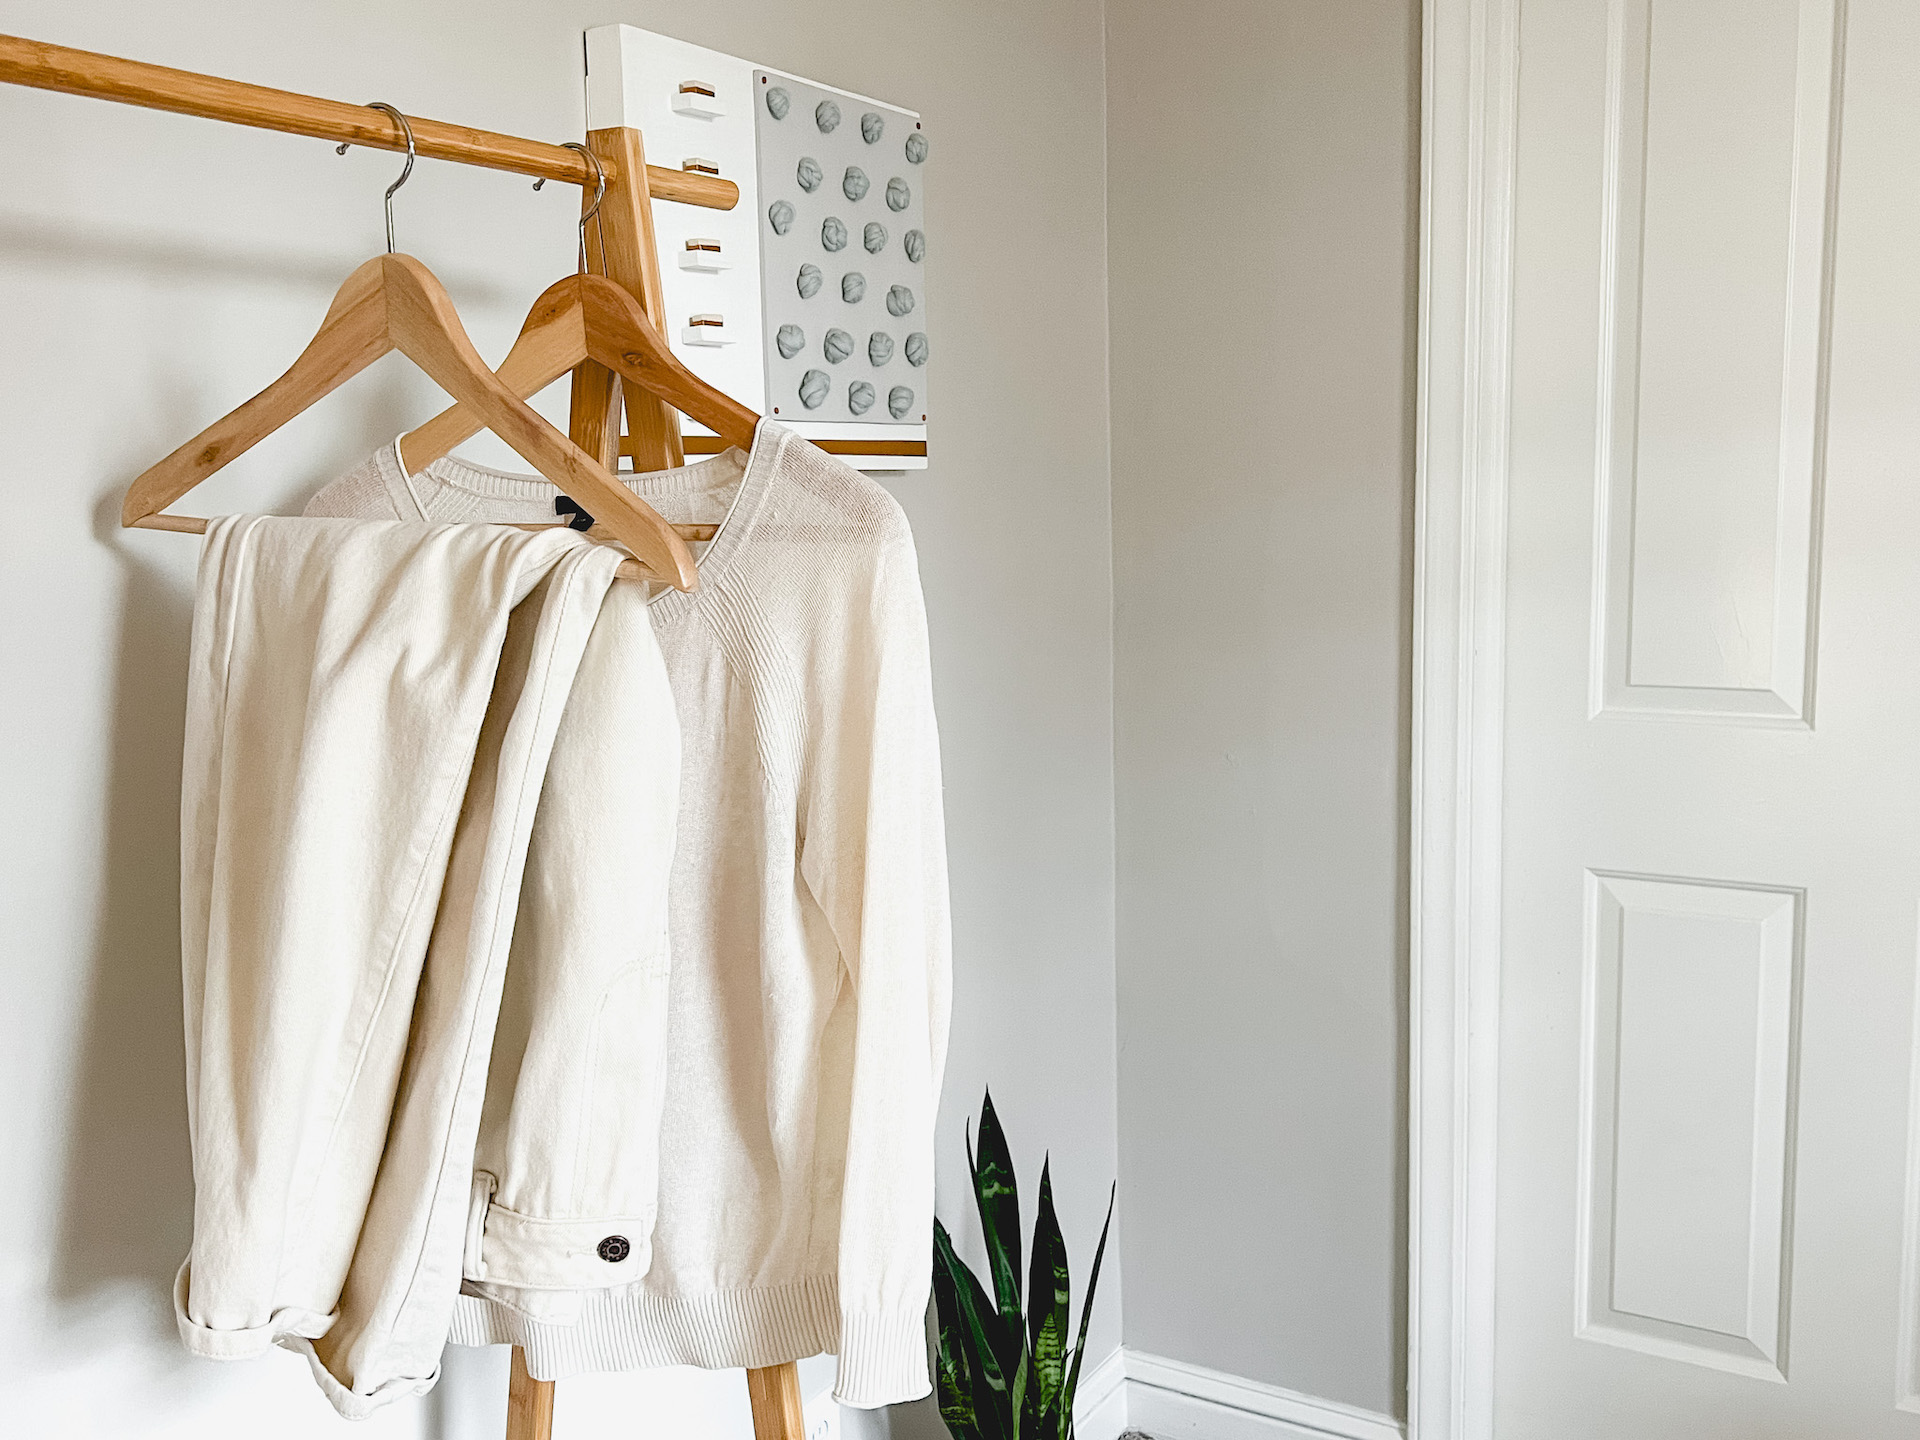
[757, 468]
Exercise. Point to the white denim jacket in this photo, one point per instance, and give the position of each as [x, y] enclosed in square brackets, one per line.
[395, 774]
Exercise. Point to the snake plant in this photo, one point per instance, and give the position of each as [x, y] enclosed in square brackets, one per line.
[1006, 1371]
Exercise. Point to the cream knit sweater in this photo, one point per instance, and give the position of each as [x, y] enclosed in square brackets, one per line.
[808, 912]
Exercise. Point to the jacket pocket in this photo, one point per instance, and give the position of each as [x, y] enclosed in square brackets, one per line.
[576, 1146]
[530, 1253]
[473, 1260]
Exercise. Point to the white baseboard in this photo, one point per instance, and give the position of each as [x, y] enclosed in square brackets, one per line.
[1100, 1404]
[1172, 1400]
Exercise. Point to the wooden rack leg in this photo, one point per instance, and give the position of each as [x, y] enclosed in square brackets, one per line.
[624, 227]
[623, 231]
[529, 1403]
[775, 1396]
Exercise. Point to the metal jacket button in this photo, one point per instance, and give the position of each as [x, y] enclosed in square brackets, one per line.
[615, 1248]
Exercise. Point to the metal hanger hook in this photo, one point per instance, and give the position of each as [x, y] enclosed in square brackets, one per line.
[405, 170]
[599, 194]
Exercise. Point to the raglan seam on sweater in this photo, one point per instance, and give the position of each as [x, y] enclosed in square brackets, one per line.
[756, 657]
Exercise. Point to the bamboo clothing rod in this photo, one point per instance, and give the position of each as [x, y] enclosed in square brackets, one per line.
[132, 82]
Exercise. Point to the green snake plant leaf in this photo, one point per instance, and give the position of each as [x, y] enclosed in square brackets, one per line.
[955, 1397]
[998, 1195]
[1049, 1298]
[980, 1338]
[1002, 1374]
[1086, 1316]
[954, 1363]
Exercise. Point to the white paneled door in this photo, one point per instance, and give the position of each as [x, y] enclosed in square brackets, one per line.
[1709, 1185]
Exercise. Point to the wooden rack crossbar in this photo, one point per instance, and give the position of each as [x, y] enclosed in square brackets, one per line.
[133, 82]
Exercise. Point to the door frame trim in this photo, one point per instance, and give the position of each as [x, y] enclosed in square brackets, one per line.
[1469, 78]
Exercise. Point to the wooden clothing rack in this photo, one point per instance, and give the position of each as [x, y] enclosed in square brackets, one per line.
[624, 225]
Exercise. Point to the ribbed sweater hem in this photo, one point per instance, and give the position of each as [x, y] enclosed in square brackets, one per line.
[883, 1357]
[883, 1354]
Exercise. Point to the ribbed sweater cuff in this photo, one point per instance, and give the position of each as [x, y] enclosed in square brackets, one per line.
[883, 1357]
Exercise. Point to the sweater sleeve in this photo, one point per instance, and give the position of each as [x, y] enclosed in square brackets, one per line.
[874, 856]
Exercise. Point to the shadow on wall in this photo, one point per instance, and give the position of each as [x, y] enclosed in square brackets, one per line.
[129, 1193]
[919, 1420]
[28, 241]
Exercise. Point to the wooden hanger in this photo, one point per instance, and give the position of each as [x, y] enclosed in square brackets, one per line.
[582, 318]
[588, 324]
[393, 302]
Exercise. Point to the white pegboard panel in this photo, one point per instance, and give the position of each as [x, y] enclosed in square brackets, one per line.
[654, 83]
[843, 251]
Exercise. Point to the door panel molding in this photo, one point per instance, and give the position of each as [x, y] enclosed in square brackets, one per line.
[1705, 590]
[1689, 1080]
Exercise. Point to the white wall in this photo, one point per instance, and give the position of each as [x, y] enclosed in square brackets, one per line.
[1261, 164]
[155, 270]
